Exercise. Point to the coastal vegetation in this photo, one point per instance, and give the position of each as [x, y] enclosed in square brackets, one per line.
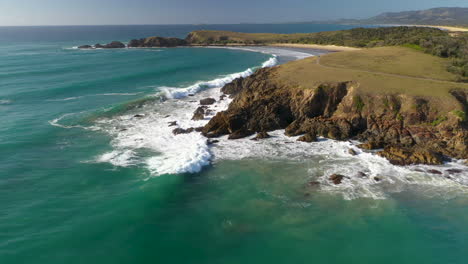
[430, 40]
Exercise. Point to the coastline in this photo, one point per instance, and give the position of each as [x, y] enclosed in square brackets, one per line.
[446, 28]
[314, 46]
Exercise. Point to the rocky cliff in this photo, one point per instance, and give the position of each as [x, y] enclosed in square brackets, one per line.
[410, 129]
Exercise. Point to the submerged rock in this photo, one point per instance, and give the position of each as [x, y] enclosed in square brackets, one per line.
[261, 135]
[211, 142]
[352, 152]
[241, 133]
[454, 171]
[308, 137]
[199, 113]
[207, 101]
[435, 172]
[337, 178]
[179, 130]
[173, 123]
[362, 175]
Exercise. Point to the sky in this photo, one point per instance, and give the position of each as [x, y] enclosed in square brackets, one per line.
[123, 12]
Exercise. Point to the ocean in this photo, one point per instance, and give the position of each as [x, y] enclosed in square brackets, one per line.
[90, 171]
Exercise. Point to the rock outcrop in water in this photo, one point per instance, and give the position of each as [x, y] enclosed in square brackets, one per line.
[112, 45]
[151, 42]
[408, 128]
[156, 42]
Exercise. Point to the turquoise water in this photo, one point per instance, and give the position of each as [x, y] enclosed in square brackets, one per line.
[82, 180]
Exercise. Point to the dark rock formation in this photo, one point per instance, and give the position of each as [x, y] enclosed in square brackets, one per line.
[115, 45]
[261, 135]
[179, 130]
[199, 114]
[435, 172]
[112, 45]
[352, 152]
[408, 156]
[233, 88]
[308, 137]
[454, 171]
[241, 133]
[85, 47]
[152, 42]
[211, 142]
[173, 123]
[207, 101]
[337, 178]
[372, 145]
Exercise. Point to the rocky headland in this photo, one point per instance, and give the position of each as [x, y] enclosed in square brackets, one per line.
[309, 100]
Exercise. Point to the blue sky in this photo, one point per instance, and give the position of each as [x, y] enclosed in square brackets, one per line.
[107, 12]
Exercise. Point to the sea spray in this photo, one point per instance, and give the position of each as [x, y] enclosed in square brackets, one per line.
[184, 153]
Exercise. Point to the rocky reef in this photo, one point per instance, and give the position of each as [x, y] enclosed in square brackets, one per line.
[405, 129]
[151, 42]
[112, 45]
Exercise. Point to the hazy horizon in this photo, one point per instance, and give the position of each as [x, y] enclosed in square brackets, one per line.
[182, 12]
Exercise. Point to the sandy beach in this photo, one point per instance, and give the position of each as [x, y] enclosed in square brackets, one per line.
[448, 28]
[315, 46]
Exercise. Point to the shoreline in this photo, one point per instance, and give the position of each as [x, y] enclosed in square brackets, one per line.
[446, 28]
[314, 46]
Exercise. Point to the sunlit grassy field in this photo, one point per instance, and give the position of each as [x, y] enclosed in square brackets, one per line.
[377, 71]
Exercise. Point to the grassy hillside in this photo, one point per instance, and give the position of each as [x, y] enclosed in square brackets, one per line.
[379, 71]
[429, 40]
[393, 60]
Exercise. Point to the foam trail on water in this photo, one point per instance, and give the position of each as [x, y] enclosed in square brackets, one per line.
[5, 101]
[65, 99]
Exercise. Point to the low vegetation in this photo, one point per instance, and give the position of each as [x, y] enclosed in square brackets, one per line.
[383, 71]
[430, 40]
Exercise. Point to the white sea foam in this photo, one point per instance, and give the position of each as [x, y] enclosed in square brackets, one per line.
[368, 175]
[184, 153]
[5, 102]
[178, 93]
[118, 158]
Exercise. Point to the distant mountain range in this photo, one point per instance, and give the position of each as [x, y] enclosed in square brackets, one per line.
[442, 16]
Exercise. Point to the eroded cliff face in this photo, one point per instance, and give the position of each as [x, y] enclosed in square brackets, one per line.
[411, 129]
